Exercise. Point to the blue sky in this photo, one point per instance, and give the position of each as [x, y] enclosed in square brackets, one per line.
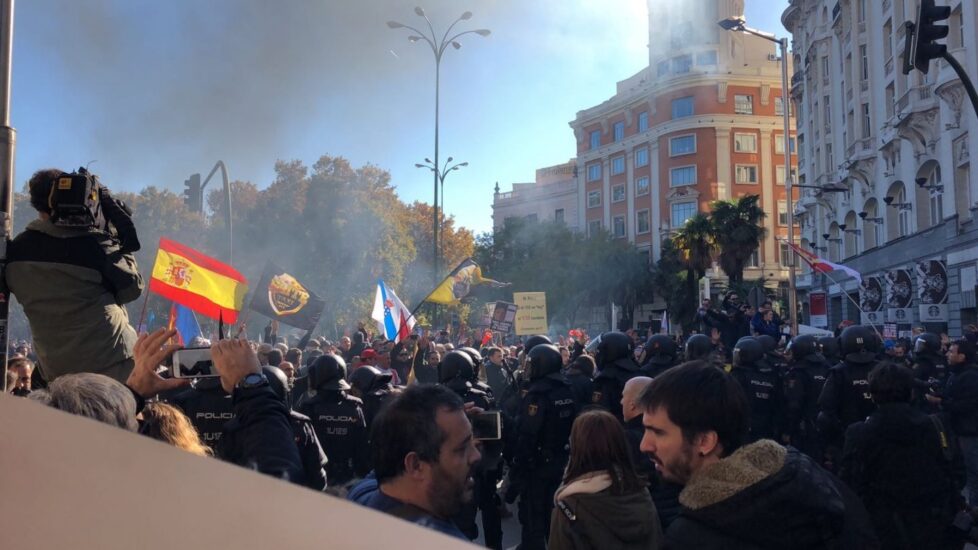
[153, 91]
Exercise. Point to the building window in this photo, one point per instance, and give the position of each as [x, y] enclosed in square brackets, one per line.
[593, 199]
[642, 221]
[685, 175]
[619, 226]
[682, 107]
[745, 143]
[682, 145]
[682, 211]
[531, 218]
[864, 59]
[936, 208]
[779, 144]
[559, 215]
[707, 58]
[595, 139]
[779, 106]
[783, 213]
[593, 228]
[743, 104]
[682, 64]
[619, 131]
[642, 186]
[860, 10]
[867, 131]
[643, 121]
[746, 173]
[785, 253]
[663, 68]
[641, 157]
[779, 174]
[618, 193]
[618, 165]
[594, 171]
[755, 258]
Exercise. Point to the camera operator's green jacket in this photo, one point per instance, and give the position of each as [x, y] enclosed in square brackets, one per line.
[72, 284]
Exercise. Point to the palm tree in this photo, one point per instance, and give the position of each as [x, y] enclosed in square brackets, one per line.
[737, 232]
[694, 241]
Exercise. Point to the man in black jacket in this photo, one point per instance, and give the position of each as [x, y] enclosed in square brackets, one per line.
[898, 464]
[759, 495]
[960, 405]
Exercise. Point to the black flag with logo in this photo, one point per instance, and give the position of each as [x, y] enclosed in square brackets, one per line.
[283, 298]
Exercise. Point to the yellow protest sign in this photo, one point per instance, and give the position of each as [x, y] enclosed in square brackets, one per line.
[531, 312]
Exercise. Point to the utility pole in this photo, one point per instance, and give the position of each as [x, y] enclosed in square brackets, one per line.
[8, 139]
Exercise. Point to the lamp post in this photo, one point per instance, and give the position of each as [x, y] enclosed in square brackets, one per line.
[739, 24]
[438, 48]
[441, 175]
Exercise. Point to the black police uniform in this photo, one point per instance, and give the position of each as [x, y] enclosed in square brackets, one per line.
[342, 430]
[803, 385]
[616, 365]
[374, 388]
[762, 386]
[311, 452]
[207, 407]
[542, 433]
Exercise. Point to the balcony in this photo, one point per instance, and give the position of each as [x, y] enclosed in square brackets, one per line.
[918, 98]
[888, 68]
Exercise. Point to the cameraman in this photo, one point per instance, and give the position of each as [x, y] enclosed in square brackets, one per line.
[73, 282]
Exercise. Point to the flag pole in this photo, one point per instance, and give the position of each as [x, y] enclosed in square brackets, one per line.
[859, 307]
[142, 313]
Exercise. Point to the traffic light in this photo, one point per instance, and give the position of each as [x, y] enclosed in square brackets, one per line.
[193, 196]
[923, 47]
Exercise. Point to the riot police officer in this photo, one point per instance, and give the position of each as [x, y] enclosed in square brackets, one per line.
[374, 388]
[929, 368]
[771, 356]
[476, 379]
[338, 420]
[807, 371]
[616, 366]
[845, 398]
[829, 348]
[456, 372]
[310, 450]
[542, 432]
[661, 354]
[762, 386]
[208, 407]
[699, 347]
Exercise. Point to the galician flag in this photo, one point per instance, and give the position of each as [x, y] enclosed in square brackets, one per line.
[821, 264]
[393, 318]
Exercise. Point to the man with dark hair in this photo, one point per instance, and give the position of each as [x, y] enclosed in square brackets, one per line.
[898, 462]
[759, 495]
[424, 455]
[73, 283]
[960, 405]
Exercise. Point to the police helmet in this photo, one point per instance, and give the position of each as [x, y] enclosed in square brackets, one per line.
[612, 347]
[534, 341]
[328, 372]
[476, 360]
[859, 344]
[661, 350]
[802, 346]
[544, 360]
[277, 381]
[927, 343]
[829, 346]
[747, 352]
[768, 342]
[455, 364]
[367, 378]
[698, 346]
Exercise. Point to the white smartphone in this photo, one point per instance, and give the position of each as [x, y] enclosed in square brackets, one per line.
[487, 426]
[193, 363]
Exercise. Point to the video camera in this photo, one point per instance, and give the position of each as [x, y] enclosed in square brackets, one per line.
[78, 200]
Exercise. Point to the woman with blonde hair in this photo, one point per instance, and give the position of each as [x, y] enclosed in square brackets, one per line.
[168, 424]
[602, 503]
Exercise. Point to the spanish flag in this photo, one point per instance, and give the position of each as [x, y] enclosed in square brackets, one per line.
[198, 282]
[459, 283]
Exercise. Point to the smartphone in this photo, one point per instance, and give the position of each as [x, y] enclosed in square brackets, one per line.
[487, 426]
[193, 363]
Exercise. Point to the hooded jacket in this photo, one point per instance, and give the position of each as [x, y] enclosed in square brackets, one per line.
[764, 496]
[588, 515]
[73, 284]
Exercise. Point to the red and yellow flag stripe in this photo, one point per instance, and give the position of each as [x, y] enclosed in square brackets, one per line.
[198, 282]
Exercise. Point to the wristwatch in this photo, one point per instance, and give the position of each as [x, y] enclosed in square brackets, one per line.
[253, 380]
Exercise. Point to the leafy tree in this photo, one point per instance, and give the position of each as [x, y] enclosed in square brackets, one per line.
[737, 232]
[694, 243]
[670, 277]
